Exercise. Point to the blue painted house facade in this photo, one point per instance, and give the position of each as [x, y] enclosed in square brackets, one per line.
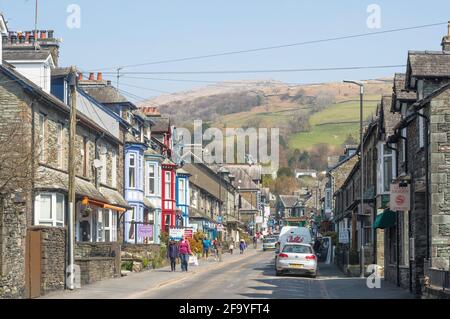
[183, 197]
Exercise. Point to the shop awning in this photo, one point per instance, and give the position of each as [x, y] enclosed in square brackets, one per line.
[386, 219]
[87, 201]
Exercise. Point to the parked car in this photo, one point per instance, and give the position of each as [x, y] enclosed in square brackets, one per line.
[269, 243]
[296, 258]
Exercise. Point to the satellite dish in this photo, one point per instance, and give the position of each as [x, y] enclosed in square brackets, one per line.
[97, 163]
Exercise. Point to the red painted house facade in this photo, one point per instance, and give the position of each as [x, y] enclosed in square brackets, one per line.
[168, 195]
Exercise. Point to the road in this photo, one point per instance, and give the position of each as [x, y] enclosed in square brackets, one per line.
[251, 275]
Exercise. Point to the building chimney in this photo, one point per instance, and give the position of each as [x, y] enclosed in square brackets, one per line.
[13, 39]
[99, 76]
[91, 76]
[446, 41]
[43, 34]
[108, 82]
[21, 39]
[80, 76]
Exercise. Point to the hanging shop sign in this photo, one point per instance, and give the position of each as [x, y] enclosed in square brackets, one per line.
[176, 233]
[188, 232]
[400, 197]
[145, 231]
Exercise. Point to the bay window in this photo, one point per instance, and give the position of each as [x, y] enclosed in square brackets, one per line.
[167, 182]
[182, 187]
[386, 168]
[49, 209]
[151, 179]
[132, 171]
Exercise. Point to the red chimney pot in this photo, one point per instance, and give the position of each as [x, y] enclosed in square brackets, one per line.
[91, 76]
[99, 76]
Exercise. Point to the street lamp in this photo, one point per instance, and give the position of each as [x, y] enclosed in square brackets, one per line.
[361, 150]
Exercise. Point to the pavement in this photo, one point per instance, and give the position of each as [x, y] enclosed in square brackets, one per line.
[251, 275]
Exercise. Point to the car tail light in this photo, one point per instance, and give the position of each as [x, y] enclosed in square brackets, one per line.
[282, 255]
[311, 257]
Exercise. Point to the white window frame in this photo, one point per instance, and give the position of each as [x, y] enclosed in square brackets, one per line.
[182, 190]
[54, 221]
[380, 171]
[134, 167]
[155, 185]
[167, 184]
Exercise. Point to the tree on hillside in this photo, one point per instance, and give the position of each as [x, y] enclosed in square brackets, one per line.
[284, 185]
[285, 171]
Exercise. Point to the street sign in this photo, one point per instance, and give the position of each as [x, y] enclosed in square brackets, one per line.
[176, 233]
[188, 233]
[400, 197]
[343, 237]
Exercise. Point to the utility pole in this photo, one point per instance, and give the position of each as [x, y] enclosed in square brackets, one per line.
[72, 137]
[35, 26]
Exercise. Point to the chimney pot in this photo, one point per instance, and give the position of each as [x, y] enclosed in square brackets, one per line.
[13, 38]
[80, 76]
[50, 34]
[21, 39]
[4, 39]
[108, 82]
[43, 34]
[91, 76]
[99, 76]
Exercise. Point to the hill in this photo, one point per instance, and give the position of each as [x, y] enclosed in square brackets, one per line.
[307, 115]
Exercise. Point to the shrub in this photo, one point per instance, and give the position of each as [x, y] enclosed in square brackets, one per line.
[145, 262]
[127, 265]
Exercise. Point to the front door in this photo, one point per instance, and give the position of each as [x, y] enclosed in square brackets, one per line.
[33, 263]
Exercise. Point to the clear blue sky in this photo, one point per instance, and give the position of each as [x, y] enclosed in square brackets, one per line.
[121, 32]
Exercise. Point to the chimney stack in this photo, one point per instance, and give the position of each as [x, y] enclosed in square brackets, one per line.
[91, 76]
[99, 76]
[446, 41]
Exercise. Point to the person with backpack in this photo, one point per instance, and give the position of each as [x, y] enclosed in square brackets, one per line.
[206, 247]
[184, 250]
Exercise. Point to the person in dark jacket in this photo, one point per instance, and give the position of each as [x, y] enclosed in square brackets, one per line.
[172, 254]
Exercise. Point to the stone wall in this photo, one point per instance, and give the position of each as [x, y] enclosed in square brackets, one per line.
[440, 182]
[97, 261]
[390, 274]
[12, 249]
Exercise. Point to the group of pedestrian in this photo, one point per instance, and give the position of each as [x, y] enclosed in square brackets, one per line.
[181, 250]
[215, 246]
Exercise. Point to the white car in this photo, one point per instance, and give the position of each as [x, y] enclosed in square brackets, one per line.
[296, 258]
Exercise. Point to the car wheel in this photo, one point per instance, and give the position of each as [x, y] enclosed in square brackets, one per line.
[314, 275]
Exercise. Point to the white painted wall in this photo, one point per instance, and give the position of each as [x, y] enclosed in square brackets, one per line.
[38, 72]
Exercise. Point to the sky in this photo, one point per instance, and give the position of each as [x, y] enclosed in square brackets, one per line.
[114, 33]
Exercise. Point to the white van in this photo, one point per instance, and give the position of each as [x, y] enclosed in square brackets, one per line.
[294, 234]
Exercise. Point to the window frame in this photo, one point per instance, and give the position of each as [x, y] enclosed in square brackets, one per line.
[55, 222]
[167, 185]
[132, 168]
[151, 166]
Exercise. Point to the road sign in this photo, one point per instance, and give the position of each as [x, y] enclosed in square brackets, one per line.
[176, 233]
[400, 197]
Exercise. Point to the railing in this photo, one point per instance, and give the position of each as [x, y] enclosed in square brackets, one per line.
[439, 278]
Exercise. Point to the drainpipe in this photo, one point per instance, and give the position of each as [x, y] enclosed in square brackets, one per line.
[427, 193]
[33, 158]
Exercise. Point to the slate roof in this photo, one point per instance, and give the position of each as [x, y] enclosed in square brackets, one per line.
[428, 64]
[15, 55]
[400, 89]
[113, 197]
[289, 200]
[105, 94]
[240, 174]
[390, 120]
[162, 124]
[58, 72]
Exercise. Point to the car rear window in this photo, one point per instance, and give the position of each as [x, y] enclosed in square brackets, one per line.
[270, 240]
[297, 249]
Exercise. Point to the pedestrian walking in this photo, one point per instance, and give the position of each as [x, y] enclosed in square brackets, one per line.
[172, 254]
[218, 247]
[231, 248]
[206, 247]
[255, 241]
[184, 250]
[242, 246]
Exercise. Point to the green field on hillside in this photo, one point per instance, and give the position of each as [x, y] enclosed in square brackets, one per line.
[333, 124]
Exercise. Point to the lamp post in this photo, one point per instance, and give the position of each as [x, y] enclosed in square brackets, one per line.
[361, 167]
